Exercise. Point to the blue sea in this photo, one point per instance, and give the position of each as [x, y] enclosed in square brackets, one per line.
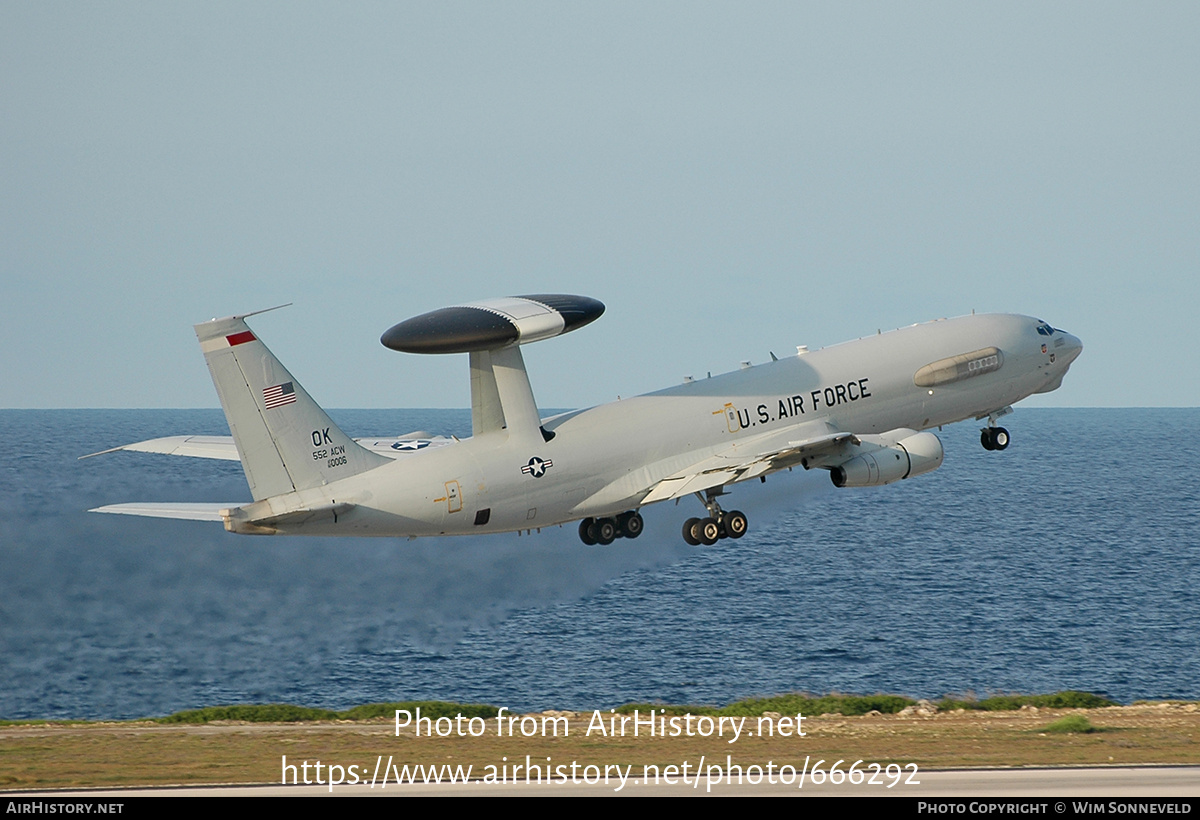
[1066, 562]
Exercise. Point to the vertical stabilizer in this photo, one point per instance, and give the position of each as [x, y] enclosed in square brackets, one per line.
[286, 442]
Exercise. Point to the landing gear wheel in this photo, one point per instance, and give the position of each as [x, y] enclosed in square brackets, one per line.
[735, 523]
[709, 531]
[994, 438]
[605, 531]
[690, 531]
[630, 524]
[585, 531]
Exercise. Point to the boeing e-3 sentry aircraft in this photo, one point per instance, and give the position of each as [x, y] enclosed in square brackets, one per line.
[856, 409]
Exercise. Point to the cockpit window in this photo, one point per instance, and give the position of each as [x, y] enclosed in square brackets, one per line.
[1045, 329]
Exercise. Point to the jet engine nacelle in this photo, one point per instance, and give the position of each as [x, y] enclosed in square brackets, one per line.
[899, 454]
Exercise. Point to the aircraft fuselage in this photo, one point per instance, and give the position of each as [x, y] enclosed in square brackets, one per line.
[602, 461]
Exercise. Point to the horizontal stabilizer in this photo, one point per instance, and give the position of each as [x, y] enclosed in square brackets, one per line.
[218, 447]
[232, 514]
[296, 517]
[223, 447]
[249, 520]
[190, 512]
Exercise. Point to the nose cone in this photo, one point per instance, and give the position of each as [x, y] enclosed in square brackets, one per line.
[1072, 349]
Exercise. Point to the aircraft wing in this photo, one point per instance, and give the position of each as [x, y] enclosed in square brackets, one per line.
[753, 458]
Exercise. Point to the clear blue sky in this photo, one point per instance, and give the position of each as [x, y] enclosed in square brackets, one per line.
[728, 178]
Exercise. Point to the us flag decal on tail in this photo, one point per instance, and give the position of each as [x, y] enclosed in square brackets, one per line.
[279, 395]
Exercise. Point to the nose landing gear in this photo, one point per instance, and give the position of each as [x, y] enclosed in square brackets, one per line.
[994, 438]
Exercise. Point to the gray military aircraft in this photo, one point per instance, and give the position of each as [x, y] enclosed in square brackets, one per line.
[854, 409]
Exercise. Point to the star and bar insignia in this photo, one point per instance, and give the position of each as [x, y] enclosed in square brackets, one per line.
[537, 467]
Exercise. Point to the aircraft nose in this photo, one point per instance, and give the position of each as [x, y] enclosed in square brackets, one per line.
[1073, 348]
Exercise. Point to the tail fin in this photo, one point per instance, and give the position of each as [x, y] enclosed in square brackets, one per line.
[285, 441]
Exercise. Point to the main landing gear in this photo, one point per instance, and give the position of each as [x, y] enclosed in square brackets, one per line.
[594, 531]
[719, 524]
[994, 438]
[696, 531]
